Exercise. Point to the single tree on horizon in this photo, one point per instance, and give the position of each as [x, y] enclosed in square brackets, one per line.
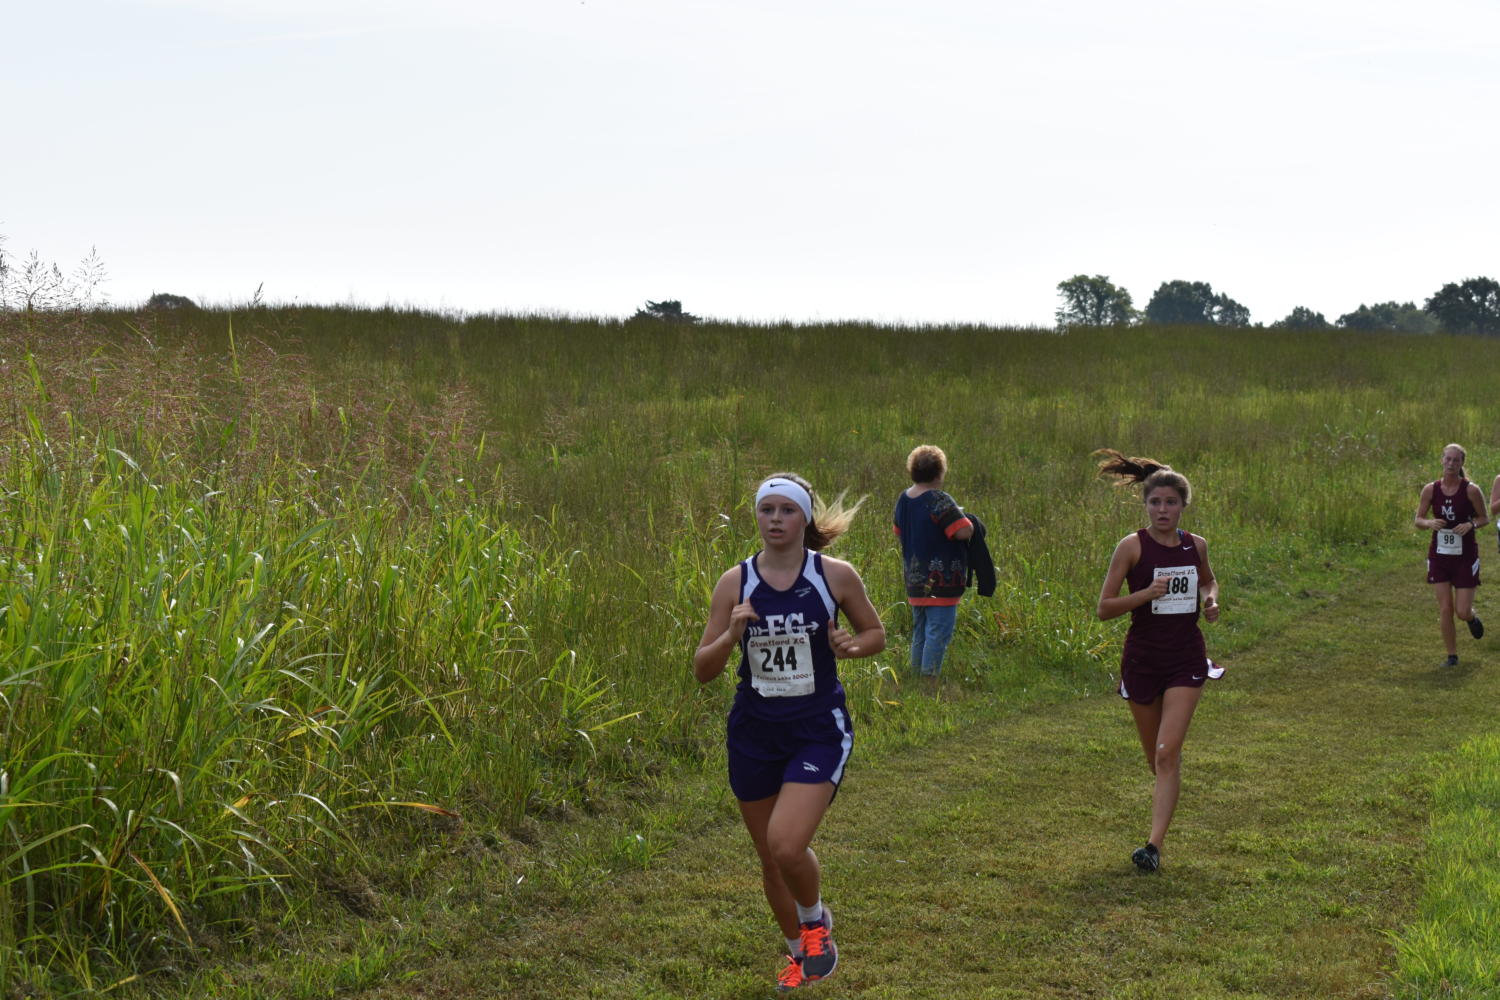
[1469, 306]
[1093, 301]
[1302, 318]
[667, 311]
[1194, 303]
[167, 300]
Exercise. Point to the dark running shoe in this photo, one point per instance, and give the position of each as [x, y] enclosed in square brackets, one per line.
[819, 955]
[791, 977]
[1147, 859]
[1476, 627]
[1451, 661]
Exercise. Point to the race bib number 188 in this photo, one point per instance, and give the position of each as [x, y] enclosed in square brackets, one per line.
[1181, 597]
[781, 666]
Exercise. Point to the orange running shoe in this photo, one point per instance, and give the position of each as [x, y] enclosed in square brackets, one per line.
[791, 976]
[819, 955]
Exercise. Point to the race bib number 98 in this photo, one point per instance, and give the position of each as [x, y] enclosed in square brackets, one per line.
[1449, 543]
[1181, 597]
[781, 666]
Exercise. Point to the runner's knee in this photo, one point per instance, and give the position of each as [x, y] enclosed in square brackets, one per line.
[786, 852]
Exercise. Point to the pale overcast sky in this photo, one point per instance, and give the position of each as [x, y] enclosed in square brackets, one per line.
[918, 161]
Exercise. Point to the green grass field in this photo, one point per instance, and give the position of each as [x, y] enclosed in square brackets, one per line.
[318, 623]
[993, 862]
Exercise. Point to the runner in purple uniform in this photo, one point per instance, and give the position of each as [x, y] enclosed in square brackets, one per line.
[1457, 509]
[789, 734]
[1163, 666]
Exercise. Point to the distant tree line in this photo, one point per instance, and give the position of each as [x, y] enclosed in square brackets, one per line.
[1470, 306]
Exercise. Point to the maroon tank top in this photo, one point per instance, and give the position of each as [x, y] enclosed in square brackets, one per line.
[1453, 510]
[1168, 625]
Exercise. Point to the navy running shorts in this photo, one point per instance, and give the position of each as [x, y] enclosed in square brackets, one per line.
[764, 755]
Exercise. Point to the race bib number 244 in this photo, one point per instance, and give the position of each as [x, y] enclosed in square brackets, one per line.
[781, 666]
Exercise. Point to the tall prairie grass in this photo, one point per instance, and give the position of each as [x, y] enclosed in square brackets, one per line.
[278, 583]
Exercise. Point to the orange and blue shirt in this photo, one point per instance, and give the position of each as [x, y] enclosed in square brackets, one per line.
[935, 565]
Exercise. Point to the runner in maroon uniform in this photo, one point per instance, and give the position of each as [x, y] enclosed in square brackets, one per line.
[1457, 509]
[1163, 667]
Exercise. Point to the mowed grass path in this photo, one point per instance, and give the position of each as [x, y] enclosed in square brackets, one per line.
[995, 863]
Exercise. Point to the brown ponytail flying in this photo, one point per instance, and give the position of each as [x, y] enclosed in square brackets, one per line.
[1151, 474]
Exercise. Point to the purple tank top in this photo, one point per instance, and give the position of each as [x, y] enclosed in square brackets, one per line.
[787, 667]
[1453, 510]
[1170, 623]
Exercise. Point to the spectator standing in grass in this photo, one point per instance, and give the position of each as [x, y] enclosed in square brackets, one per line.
[1457, 511]
[934, 535]
[1164, 664]
[789, 734]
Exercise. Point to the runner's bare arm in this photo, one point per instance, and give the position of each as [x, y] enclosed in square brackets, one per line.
[1113, 604]
[1476, 500]
[727, 619]
[868, 637]
[1424, 504]
[1208, 584]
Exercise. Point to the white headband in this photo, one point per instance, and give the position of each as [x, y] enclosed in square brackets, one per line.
[790, 490]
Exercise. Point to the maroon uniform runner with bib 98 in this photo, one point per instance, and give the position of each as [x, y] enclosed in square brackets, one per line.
[1451, 557]
[1457, 511]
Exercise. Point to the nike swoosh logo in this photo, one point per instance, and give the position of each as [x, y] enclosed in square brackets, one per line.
[1197, 677]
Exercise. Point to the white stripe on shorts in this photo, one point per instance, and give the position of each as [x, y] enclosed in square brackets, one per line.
[845, 745]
